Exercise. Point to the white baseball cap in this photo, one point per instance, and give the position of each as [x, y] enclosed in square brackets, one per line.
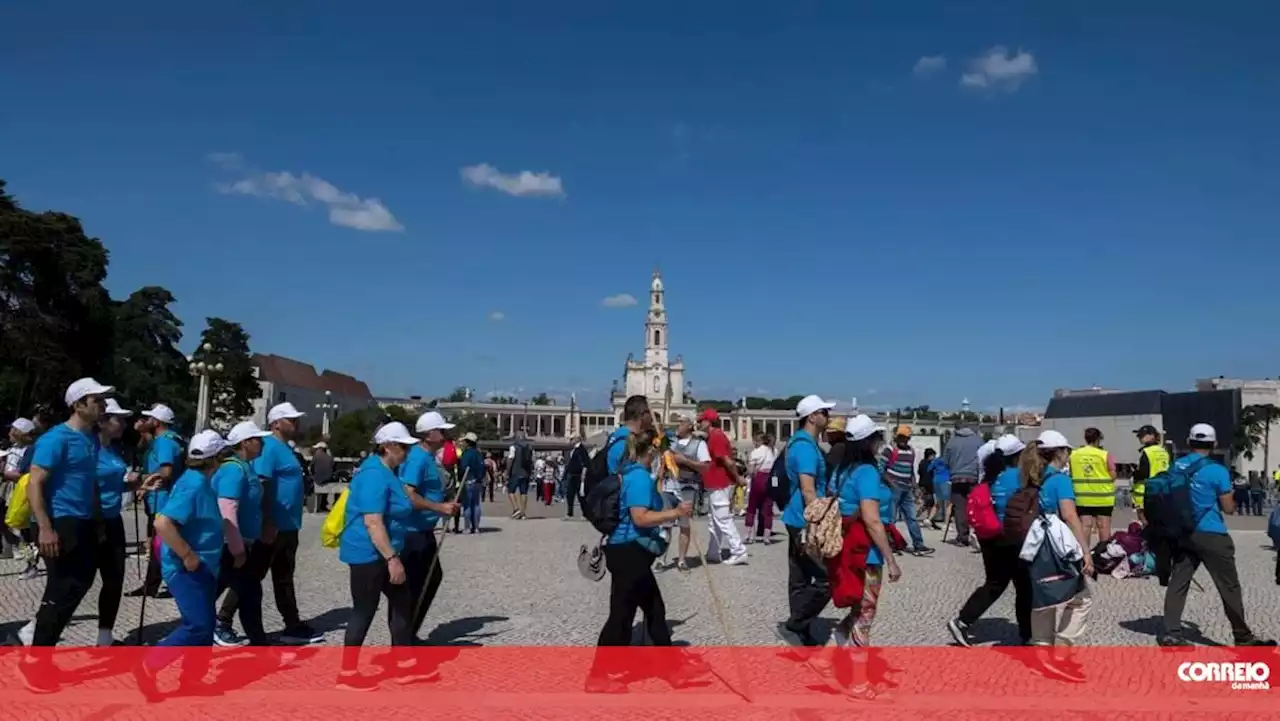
[812, 404]
[1052, 439]
[245, 430]
[283, 411]
[23, 425]
[858, 427]
[394, 433]
[161, 413]
[471, 438]
[1008, 445]
[205, 444]
[114, 409]
[985, 450]
[431, 421]
[85, 387]
[1203, 432]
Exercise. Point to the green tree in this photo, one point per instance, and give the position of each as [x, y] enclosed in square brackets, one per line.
[542, 399]
[510, 400]
[484, 428]
[400, 414]
[352, 432]
[146, 365]
[458, 395]
[1252, 427]
[55, 314]
[233, 389]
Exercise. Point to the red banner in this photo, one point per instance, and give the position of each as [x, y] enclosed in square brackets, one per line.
[642, 683]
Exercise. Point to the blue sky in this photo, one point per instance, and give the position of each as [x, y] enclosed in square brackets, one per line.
[1016, 185]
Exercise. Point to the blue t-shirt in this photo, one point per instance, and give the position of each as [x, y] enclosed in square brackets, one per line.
[618, 450]
[111, 473]
[1002, 489]
[71, 458]
[374, 489]
[421, 472]
[164, 451]
[639, 490]
[862, 483]
[278, 465]
[1211, 481]
[472, 466]
[803, 456]
[1056, 487]
[193, 505]
[941, 472]
[236, 480]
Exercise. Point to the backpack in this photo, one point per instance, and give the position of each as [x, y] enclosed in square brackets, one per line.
[780, 490]
[334, 522]
[981, 511]
[1170, 511]
[523, 459]
[824, 530]
[1022, 510]
[602, 492]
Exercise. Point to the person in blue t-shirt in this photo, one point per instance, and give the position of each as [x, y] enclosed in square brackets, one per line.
[472, 472]
[1210, 544]
[62, 491]
[190, 530]
[377, 519]
[630, 552]
[284, 487]
[161, 466]
[941, 493]
[424, 483]
[240, 502]
[999, 557]
[807, 589]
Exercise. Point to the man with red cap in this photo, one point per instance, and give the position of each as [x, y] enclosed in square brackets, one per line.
[719, 479]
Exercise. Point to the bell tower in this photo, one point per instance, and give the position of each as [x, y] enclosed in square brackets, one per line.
[655, 327]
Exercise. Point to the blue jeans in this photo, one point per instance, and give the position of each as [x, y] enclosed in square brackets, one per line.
[195, 593]
[471, 497]
[904, 502]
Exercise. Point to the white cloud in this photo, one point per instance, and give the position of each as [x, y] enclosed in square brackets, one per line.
[345, 209]
[525, 184]
[930, 64]
[621, 300]
[999, 69]
[497, 315]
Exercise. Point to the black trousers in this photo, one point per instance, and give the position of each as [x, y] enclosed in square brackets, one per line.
[247, 585]
[70, 577]
[151, 584]
[1002, 567]
[281, 559]
[109, 562]
[960, 507]
[420, 551]
[632, 588]
[573, 487]
[369, 582]
[1218, 554]
[807, 588]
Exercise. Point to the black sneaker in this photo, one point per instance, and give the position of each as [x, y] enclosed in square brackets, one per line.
[960, 632]
[921, 550]
[1256, 643]
[301, 635]
[226, 637]
[1170, 640]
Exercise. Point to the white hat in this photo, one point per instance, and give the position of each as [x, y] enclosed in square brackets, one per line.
[1052, 439]
[859, 427]
[471, 438]
[85, 387]
[431, 421]
[1203, 432]
[1009, 444]
[283, 411]
[205, 444]
[812, 404]
[321, 444]
[114, 409]
[985, 450]
[23, 425]
[161, 413]
[245, 430]
[394, 433]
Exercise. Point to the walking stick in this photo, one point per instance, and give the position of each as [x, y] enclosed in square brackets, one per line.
[137, 535]
[718, 606]
[435, 560]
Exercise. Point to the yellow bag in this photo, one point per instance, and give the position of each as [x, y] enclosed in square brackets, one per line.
[19, 514]
[335, 522]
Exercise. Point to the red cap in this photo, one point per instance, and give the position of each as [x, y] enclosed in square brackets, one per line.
[709, 414]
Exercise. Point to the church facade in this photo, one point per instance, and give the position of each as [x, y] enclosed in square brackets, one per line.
[656, 377]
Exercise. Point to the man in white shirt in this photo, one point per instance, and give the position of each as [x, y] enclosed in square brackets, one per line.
[691, 457]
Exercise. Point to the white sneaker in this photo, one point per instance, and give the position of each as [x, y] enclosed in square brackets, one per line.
[105, 638]
[27, 633]
[737, 560]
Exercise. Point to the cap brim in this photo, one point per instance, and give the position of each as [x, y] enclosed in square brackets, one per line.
[259, 434]
[401, 440]
[288, 416]
[119, 412]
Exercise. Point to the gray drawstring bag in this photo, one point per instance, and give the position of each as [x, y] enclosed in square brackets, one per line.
[591, 562]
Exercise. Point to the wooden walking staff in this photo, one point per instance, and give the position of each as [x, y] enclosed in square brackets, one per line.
[435, 560]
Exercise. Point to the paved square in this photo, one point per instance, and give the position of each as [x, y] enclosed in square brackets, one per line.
[517, 584]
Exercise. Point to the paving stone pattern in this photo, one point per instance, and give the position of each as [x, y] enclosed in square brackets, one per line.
[516, 583]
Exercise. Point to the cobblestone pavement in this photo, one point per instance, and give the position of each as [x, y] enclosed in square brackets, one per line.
[516, 583]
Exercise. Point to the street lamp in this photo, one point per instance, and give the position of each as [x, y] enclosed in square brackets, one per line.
[203, 370]
[324, 409]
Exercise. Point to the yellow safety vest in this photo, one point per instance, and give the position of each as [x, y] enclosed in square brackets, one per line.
[1157, 463]
[1094, 486]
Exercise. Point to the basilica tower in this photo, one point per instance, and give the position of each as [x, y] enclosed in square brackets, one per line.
[655, 327]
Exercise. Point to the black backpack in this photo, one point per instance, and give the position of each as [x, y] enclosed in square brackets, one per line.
[602, 492]
[1022, 510]
[523, 459]
[780, 490]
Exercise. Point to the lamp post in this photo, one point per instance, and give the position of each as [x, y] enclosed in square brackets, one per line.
[324, 409]
[203, 370]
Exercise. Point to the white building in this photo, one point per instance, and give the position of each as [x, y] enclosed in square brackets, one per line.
[656, 377]
[284, 380]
